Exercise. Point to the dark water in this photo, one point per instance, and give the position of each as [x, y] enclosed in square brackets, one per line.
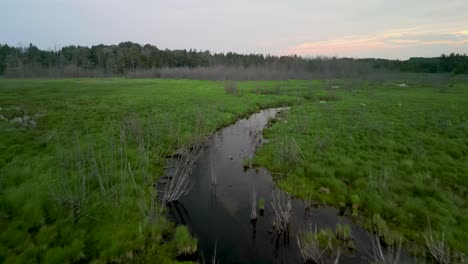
[221, 213]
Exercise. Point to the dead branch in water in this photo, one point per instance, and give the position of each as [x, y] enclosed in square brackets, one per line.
[178, 183]
[255, 140]
[391, 253]
[213, 258]
[320, 247]
[214, 177]
[253, 198]
[282, 209]
[311, 250]
[436, 245]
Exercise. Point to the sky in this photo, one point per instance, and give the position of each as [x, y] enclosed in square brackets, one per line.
[394, 29]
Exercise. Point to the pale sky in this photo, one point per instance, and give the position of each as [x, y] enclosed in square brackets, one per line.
[352, 28]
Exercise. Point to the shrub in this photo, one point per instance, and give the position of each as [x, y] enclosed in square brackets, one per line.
[185, 244]
[230, 87]
[324, 246]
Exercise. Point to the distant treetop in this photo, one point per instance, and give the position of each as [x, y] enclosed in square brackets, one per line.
[129, 56]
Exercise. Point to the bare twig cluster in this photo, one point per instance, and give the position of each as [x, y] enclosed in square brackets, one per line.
[390, 254]
[214, 177]
[282, 208]
[436, 245]
[255, 138]
[177, 184]
[324, 246]
[213, 258]
[253, 199]
[310, 247]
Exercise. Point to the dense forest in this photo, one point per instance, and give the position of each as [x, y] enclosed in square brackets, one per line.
[128, 57]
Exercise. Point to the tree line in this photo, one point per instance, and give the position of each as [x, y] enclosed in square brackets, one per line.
[131, 57]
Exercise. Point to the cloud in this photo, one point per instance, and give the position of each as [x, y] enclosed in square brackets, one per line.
[337, 46]
[404, 41]
[393, 39]
[446, 42]
[461, 33]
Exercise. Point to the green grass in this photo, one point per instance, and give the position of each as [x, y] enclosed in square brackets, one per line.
[76, 174]
[69, 193]
[400, 153]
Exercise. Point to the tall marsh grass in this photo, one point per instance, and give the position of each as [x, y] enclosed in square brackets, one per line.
[324, 246]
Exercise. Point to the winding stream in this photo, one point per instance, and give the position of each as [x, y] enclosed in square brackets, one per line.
[220, 213]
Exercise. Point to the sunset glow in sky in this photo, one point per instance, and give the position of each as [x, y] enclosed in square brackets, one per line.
[364, 28]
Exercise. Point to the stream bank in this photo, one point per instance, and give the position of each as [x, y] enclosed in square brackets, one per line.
[218, 207]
